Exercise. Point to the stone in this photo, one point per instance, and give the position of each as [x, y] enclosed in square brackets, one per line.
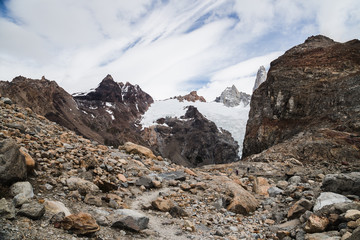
[346, 184]
[29, 161]
[93, 200]
[316, 224]
[32, 210]
[329, 198]
[83, 186]
[163, 205]
[353, 224]
[138, 149]
[7, 100]
[189, 226]
[22, 192]
[81, 223]
[129, 220]
[55, 207]
[299, 208]
[352, 215]
[355, 234]
[346, 236]
[177, 212]
[282, 184]
[145, 181]
[261, 186]
[175, 175]
[12, 162]
[322, 236]
[121, 177]
[185, 187]
[243, 202]
[274, 191]
[295, 180]
[7, 209]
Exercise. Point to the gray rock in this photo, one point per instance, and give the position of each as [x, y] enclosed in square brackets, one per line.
[145, 181]
[347, 184]
[295, 180]
[12, 162]
[22, 192]
[329, 198]
[7, 209]
[260, 77]
[33, 210]
[130, 220]
[7, 100]
[333, 235]
[176, 175]
[274, 191]
[83, 186]
[355, 235]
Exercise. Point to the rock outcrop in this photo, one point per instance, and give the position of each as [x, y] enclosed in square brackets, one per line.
[192, 140]
[107, 114]
[231, 97]
[260, 77]
[191, 97]
[309, 105]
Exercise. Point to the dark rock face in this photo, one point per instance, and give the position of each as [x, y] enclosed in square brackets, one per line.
[108, 114]
[192, 140]
[231, 97]
[311, 92]
[342, 183]
[12, 162]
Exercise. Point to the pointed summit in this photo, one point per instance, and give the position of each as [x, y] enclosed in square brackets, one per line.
[260, 77]
[231, 97]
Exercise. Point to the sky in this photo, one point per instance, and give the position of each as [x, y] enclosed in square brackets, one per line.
[168, 47]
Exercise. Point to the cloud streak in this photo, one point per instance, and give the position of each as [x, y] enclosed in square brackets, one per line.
[167, 47]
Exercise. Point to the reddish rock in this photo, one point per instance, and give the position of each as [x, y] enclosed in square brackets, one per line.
[316, 224]
[81, 223]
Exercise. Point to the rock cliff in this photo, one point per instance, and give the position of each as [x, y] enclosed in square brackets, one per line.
[310, 97]
[231, 97]
[191, 97]
[192, 140]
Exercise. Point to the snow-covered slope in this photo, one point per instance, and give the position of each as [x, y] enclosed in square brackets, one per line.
[231, 119]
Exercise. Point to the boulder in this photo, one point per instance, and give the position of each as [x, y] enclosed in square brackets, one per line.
[83, 186]
[261, 186]
[138, 149]
[352, 215]
[33, 210]
[346, 184]
[333, 235]
[355, 234]
[12, 162]
[129, 220]
[163, 205]
[316, 224]
[81, 223]
[299, 208]
[274, 191]
[7, 209]
[30, 162]
[329, 198]
[22, 192]
[55, 207]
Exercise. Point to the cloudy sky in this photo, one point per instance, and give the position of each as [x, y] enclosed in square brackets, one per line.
[168, 47]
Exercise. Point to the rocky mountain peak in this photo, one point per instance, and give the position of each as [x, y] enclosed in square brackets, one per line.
[231, 97]
[260, 77]
[191, 97]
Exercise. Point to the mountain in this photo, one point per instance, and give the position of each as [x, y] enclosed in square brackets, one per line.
[232, 119]
[231, 97]
[260, 77]
[107, 114]
[192, 140]
[191, 97]
[308, 108]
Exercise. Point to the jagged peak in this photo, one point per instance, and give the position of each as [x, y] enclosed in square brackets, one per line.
[319, 38]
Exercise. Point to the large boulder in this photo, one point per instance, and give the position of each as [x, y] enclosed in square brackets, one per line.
[343, 183]
[329, 198]
[310, 92]
[129, 220]
[12, 162]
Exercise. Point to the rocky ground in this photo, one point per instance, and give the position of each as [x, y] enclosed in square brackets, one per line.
[57, 185]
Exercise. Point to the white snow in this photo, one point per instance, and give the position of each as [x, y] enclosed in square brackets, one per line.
[78, 94]
[232, 119]
[93, 107]
[111, 113]
[109, 104]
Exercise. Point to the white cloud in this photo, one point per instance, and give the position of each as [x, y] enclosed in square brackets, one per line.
[168, 47]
